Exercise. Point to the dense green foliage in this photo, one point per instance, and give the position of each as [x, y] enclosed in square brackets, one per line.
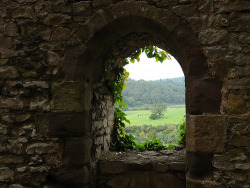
[141, 93]
[182, 128]
[166, 134]
[158, 110]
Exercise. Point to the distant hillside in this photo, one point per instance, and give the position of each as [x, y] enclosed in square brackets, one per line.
[141, 92]
[177, 79]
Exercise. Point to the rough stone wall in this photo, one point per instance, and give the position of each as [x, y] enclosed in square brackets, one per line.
[165, 168]
[56, 109]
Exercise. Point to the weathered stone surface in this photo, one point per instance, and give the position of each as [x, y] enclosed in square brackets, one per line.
[206, 133]
[40, 104]
[71, 96]
[140, 164]
[242, 166]
[15, 146]
[56, 19]
[77, 151]
[119, 181]
[8, 72]
[185, 10]
[41, 148]
[3, 129]
[222, 162]
[21, 12]
[11, 103]
[69, 124]
[10, 29]
[202, 184]
[111, 167]
[6, 174]
[163, 180]
[73, 175]
[240, 141]
[11, 159]
[61, 34]
[234, 104]
[139, 180]
[211, 36]
[6, 42]
[199, 164]
[16, 186]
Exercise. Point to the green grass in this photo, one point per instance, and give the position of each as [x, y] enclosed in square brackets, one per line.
[141, 117]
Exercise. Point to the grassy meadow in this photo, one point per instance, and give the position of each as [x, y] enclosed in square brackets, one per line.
[141, 117]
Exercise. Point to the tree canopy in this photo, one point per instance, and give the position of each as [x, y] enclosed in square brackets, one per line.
[158, 109]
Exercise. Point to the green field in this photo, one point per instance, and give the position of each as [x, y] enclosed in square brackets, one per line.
[141, 117]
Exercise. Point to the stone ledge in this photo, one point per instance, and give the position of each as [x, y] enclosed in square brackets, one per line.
[161, 161]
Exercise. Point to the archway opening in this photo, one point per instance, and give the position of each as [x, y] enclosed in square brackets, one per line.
[151, 126]
[155, 95]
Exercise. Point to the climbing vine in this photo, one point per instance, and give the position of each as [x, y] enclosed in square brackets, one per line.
[123, 141]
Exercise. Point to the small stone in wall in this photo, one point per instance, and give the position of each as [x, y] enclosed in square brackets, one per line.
[61, 34]
[6, 174]
[8, 72]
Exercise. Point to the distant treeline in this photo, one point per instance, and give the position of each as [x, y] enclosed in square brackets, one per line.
[141, 92]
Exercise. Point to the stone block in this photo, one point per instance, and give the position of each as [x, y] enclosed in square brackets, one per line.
[222, 162]
[69, 124]
[11, 159]
[140, 180]
[199, 164]
[234, 103]
[167, 180]
[10, 29]
[8, 72]
[212, 36]
[6, 174]
[71, 96]
[41, 148]
[56, 19]
[205, 99]
[198, 183]
[61, 34]
[73, 175]
[185, 10]
[23, 12]
[206, 133]
[111, 167]
[5, 42]
[77, 151]
[240, 141]
[138, 164]
[119, 181]
[173, 166]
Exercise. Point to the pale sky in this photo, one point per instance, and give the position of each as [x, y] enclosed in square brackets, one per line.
[149, 69]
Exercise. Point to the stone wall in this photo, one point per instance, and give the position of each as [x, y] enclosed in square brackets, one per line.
[147, 169]
[56, 104]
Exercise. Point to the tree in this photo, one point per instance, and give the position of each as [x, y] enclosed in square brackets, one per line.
[159, 109]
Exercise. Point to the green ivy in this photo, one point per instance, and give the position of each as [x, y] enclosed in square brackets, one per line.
[182, 128]
[122, 141]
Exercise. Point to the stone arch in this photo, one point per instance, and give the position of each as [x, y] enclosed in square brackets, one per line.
[81, 76]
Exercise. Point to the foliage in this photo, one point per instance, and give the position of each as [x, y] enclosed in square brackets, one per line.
[166, 134]
[152, 144]
[145, 93]
[158, 109]
[153, 116]
[151, 52]
[182, 128]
